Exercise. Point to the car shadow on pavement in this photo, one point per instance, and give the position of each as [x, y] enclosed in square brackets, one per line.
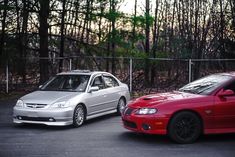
[145, 138]
[217, 138]
[41, 127]
[46, 127]
[101, 118]
[164, 139]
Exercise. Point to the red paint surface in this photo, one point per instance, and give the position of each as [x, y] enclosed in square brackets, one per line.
[217, 113]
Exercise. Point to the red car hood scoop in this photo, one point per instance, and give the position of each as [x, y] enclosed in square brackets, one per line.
[147, 98]
[154, 99]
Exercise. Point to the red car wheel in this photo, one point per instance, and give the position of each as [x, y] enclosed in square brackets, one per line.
[185, 127]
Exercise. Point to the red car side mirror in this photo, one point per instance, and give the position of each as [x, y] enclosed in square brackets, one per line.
[226, 92]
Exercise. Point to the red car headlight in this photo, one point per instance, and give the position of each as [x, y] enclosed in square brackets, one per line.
[146, 111]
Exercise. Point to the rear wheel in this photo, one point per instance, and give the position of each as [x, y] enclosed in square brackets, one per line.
[185, 127]
[121, 105]
[79, 116]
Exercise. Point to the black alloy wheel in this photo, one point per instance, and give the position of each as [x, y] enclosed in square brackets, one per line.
[185, 127]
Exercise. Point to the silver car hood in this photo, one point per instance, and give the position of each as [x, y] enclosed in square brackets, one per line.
[48, 97]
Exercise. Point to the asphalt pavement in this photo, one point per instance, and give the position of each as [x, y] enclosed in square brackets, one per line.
[100, 137]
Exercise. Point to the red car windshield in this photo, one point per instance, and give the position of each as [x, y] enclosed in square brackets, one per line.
[205, 85]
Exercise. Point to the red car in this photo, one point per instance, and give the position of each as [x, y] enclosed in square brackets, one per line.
[205, 106]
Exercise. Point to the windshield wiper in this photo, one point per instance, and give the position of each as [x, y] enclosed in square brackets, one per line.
[188, 91]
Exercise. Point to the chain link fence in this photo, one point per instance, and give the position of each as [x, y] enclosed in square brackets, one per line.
[164, 74]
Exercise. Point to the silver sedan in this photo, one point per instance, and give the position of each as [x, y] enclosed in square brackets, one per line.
[71, 98]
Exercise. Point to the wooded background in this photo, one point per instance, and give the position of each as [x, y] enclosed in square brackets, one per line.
[55, 29]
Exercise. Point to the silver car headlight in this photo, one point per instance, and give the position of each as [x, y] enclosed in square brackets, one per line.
[144, 111]
[62, 104]
[19, 103]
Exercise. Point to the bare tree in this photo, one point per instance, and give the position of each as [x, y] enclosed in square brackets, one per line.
[232, 6]
[43, 34]
[147, 42]
[63, 13]
[113, 23]
[2, 38]
[22, 35]
[134, 25]
[155, 41]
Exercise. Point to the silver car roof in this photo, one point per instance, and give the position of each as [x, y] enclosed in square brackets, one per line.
[82, 72]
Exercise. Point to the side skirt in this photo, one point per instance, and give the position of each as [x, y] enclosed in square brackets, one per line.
[219, 131]
[101, 114]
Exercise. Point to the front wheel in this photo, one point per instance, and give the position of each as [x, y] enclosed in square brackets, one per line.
[78, 116]
[185, 127]
[121, 105]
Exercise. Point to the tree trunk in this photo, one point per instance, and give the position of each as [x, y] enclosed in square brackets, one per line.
[147, 32]
[3, 32]
[134, 25]
[43, 34]
[22, 35]
[62, 37]
[155, 40]
[102, 7]
[222, 27]
[113, 21]
[85, 21]
[196, 53]
[232, 5]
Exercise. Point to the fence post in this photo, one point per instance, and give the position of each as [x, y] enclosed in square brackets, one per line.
[70, 64]
[190, 70]
[131, 74]
[7, 78]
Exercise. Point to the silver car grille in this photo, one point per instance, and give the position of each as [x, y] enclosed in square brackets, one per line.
[29, 105]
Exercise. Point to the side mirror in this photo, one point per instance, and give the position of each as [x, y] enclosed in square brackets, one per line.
[93, 89]
[226, 92]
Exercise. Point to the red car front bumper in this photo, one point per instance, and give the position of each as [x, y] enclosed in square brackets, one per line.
[150, 124]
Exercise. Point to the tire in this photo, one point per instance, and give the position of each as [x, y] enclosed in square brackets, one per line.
[79, 116]
[121, 105]
[185, 127]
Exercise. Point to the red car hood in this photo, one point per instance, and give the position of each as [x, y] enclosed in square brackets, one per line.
[159, 98]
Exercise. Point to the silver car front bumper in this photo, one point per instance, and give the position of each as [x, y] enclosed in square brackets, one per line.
[56, 117]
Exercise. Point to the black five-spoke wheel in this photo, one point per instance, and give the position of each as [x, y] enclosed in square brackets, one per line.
[185, 127]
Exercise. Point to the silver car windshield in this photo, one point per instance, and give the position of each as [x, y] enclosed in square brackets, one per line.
[74, 83]
[205, 85]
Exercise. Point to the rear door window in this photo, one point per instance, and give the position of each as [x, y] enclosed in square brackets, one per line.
[110, 81]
